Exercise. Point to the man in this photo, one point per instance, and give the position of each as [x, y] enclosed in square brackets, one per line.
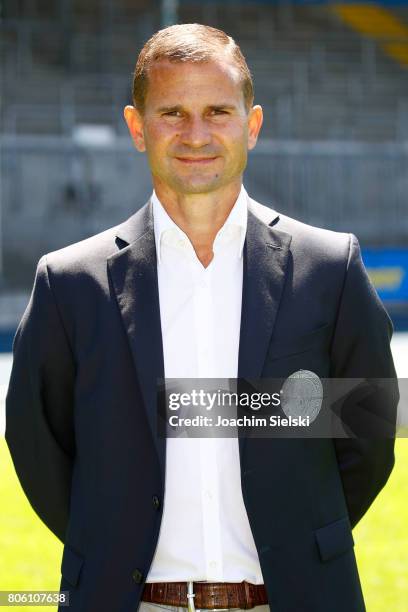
[200, 282]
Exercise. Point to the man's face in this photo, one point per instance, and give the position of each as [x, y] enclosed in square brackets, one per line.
[195, 128]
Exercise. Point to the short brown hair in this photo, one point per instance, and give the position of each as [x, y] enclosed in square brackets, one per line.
[188, 42]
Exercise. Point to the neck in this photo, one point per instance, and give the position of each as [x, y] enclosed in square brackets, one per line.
[200, 216]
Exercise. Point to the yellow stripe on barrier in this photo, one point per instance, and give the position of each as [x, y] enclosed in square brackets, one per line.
[377, 23]
[386, 278]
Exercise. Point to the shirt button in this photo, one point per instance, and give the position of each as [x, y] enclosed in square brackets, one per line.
[213, 564]
[137, 576]
[156, 502]
[209, 495]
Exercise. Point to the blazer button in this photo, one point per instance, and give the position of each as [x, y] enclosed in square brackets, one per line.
[137, 576]
[156, 502]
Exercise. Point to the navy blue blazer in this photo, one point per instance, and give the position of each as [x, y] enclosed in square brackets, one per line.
[81, 418]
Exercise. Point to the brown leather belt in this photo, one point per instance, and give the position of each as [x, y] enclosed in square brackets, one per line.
[208, 595]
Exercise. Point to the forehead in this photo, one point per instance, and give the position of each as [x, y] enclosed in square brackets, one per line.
[178, 82]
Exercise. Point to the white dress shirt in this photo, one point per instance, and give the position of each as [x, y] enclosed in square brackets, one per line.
[205, 533]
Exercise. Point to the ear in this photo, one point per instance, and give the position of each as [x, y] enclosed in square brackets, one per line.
[255, 119]
[134, 122]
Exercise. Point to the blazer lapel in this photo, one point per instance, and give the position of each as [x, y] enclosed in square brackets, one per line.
[133, 272]
[265, 260]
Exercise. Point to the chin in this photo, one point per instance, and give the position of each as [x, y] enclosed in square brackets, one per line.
[203, 186]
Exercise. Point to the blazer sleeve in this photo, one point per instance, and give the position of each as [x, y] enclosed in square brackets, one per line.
[39, 406]
[361, 349]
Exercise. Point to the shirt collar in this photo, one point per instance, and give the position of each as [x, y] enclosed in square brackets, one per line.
[162, 221]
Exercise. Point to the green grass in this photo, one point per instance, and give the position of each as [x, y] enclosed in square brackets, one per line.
[30, 555]
[381, 540]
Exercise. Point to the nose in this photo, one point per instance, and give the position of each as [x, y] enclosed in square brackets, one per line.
[196, 133]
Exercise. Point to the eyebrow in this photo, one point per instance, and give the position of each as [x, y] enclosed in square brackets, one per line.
[166, 109]
[178, 107]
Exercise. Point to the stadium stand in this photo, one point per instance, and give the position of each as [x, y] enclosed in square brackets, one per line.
[333, 149]
[316, 77]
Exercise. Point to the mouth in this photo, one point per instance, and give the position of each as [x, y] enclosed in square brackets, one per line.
[196, 160]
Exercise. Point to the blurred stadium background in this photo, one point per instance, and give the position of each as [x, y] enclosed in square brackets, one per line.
[332, 79]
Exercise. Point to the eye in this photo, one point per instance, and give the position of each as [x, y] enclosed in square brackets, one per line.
[174, 113]
[219, 111]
